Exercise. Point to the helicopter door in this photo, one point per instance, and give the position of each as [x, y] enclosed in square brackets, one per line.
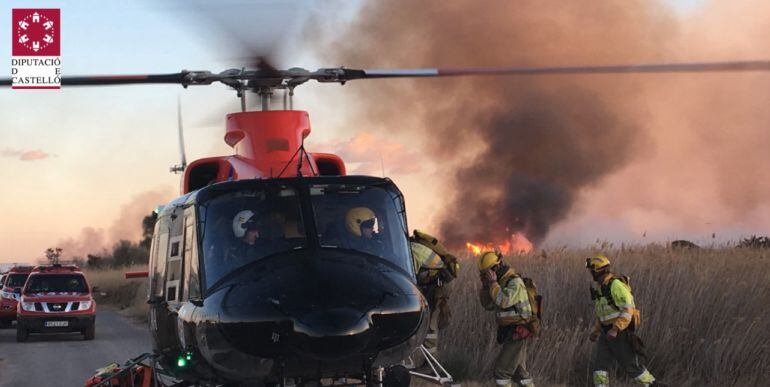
[160, 324]
[169, 301]
[192, 288]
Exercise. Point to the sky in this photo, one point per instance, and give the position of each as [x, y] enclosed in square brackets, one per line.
[82, 165]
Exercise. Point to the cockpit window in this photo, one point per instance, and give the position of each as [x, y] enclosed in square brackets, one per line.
[244, 226]
[362, 218]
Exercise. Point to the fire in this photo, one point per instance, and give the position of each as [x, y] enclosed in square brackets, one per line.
[516, 244]
[478, 248]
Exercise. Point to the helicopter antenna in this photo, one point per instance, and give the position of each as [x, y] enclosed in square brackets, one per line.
[301, 148]
[307, 156]
[382, 164]
[181, 166]
[302, 154]
[241, 93]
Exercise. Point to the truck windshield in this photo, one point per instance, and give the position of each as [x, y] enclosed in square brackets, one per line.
[58, 283]
[16, 280]
[244, 226]
[362, 218]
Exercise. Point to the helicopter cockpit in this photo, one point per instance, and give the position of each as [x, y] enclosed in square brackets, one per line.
[266, 218]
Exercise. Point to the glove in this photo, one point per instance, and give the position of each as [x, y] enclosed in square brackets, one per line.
[594, 336]
[521, 332]
[612, 333]
[450, 261]
[488, 277]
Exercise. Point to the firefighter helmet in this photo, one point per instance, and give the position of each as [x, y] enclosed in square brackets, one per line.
[597, 263]
[488, 260]
[358, 216]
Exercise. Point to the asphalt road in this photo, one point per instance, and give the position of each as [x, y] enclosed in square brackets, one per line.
[66, 359]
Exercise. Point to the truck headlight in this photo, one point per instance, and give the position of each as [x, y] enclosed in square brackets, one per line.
[28, 306]
[8, 295]
[84, 305]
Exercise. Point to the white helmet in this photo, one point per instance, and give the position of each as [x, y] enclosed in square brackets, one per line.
[240, 222]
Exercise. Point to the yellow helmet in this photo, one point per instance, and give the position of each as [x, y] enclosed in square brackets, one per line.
[487, 260]
[355, 217]
[597, 263]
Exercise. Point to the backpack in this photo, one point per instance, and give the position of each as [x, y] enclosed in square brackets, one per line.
[607, 293]
[536, 303]
[450, 261]
[606, 289]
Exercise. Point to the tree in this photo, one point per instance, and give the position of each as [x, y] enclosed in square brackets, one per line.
[52, 254]
[126, 253]
[148, 227]
[94, 261]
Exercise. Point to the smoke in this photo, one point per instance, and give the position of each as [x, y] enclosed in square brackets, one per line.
[516, 151]
[127, 226]
[369, 154]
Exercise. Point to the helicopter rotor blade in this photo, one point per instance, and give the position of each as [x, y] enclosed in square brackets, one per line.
[266, 76]
[183, 78]
[183, 164]
[343, 75]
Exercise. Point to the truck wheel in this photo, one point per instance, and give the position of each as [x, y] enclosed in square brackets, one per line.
[90, 332]
[21, 334]
[5, 322]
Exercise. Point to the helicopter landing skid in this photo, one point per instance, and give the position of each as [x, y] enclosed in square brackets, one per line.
[435, 372]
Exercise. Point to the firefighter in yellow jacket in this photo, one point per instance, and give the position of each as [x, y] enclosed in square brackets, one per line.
[435, 268]
[616, 322]
[505, 292]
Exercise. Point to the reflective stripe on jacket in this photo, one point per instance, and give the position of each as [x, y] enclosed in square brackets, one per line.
[427, 264]
[426, 258]
[622, 313]
[510, 299]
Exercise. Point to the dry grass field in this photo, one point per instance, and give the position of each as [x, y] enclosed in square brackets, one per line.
[130, 296]
[705, 318]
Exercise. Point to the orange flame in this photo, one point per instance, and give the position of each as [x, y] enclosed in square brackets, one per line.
[516, 244]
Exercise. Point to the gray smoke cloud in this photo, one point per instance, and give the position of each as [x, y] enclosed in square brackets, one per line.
[516, 151]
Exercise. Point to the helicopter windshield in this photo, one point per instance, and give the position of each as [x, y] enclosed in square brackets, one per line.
[248, 225]
[361, 217]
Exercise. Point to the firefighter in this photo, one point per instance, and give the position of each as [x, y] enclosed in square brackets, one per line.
[614, 331]
[435, 268]
[252, 243]
[505, 292]
[360, 223]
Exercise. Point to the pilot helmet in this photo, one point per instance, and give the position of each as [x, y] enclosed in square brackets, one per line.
[243, 221]
[357, 217]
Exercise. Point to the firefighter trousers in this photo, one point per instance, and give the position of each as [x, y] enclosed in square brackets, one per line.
[431, 339]
[511, 364]
[606, 352]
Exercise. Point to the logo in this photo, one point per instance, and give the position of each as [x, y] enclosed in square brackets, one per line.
[36, 48]
[56, 307]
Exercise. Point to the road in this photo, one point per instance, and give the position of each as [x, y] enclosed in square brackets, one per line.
[66, 359]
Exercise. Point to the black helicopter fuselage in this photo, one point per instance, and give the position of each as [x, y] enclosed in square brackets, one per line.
[305, 302]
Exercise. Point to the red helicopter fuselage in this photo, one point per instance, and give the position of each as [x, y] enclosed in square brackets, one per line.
[267, 144]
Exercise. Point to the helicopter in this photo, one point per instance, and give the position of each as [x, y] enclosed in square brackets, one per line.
[274, 265]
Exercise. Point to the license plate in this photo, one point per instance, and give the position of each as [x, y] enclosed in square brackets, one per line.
[50, 324]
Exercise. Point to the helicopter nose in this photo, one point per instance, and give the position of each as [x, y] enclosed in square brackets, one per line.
[326, 307]
[333, 322]
[333, 333]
